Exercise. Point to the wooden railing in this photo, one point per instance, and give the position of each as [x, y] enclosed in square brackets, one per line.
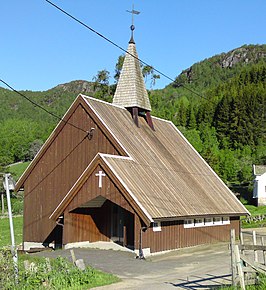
[247, 258]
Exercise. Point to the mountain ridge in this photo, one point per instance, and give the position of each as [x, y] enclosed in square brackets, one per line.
[220, 64]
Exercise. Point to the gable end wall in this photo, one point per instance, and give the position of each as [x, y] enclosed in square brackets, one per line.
[79, 227]
[58, 169]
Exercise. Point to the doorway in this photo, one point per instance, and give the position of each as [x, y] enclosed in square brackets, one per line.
[122, 226]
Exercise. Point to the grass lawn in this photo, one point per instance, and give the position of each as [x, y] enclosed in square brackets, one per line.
[56, 273]
[44, 273]
[254, 211]
[17, 169]
[5, 239]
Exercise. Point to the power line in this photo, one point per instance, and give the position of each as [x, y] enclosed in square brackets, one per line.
[124, 50]
[41, 107]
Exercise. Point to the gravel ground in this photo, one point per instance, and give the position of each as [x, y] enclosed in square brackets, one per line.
[201, 267]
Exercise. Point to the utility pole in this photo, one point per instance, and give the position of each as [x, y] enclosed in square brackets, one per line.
[2, 202]
[9, 186]
[2, 196]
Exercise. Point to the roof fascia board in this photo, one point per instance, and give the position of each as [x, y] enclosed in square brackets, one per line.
[245, 210]
[128, 190]
[105, 125]
[97, 119]
[165, 219]
[76, 186]
[102, 101]
[103, 155]
[86, 174]
[160, 119]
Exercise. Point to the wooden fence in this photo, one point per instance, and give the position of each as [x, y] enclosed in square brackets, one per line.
[248, 258]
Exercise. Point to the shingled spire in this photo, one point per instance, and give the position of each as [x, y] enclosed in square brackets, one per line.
[130, 91]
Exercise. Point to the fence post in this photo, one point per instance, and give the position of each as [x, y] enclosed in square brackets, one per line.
[263, 252]
[239, 268]
[255, 243]
[233, 260]
[73, 256]
[241, 241]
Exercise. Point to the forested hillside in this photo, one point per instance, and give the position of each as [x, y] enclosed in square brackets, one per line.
[227, 124]
[224, 119]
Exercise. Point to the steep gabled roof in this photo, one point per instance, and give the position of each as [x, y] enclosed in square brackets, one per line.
[131, 91]
[163, 172]
[166, 173]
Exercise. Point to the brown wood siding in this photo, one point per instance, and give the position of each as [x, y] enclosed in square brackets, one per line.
[73, 231]
[85, 225]
[173, 235]
[58, 169]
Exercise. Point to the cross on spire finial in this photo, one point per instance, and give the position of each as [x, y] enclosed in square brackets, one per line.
[132, 27]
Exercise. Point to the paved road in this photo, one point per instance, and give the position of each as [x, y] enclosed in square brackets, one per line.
[201, 267]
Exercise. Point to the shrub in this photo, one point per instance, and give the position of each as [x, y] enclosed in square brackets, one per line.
[43, 273]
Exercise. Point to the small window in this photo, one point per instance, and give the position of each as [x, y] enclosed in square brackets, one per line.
[189, 223]
[199, 222]
[208, 221]
[157, 226]
[217, 221]
[226, 220]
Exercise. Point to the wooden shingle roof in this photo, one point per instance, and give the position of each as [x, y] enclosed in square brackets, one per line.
[162, 171]
[131, 91]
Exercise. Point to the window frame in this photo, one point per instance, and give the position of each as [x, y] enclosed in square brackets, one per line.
[157, 227]
[188, 224]
[217, 220]
[226, 220]
[199, 222]
[206, 222]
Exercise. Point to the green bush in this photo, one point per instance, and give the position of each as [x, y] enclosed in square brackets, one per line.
[43, 273]
[6, 269]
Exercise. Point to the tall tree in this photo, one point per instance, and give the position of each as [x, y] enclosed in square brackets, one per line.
[101, 85]
[118, 67]
[192, 123]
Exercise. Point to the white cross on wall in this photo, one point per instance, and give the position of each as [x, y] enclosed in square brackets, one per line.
[100, 174]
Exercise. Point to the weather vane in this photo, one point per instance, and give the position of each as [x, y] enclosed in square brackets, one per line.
[132, 27]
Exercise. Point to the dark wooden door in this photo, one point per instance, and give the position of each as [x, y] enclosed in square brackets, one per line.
[122, 226]
[117, 224]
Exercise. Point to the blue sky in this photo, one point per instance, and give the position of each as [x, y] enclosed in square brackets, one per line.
[41, 47]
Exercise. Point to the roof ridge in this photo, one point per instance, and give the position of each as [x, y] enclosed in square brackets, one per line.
[102, 101]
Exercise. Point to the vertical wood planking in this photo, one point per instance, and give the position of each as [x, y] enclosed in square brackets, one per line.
[58, 169]
[173, 235]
